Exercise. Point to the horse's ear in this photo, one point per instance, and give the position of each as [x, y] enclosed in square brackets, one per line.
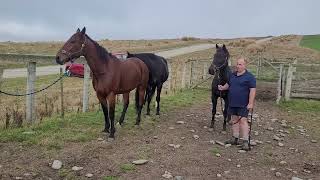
[224, 47]
[217, 46]
[78, 30]
[83, 31]
[128, 53]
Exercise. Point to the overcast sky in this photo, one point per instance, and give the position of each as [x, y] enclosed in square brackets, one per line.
[43, 20]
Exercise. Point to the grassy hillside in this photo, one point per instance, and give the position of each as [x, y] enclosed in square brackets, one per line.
[311, 41]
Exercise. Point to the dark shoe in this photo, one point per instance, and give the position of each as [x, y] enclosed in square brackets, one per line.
[245, 146]
[233, 141]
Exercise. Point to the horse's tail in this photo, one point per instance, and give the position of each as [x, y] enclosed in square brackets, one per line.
[147, 93]
[137, 98]
[167, 69]
[145, 97]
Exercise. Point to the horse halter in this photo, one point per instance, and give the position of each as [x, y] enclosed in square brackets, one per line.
[80, 52]
[217, 68]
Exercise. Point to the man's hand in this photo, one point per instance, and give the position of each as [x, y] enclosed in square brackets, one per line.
[250, 107]
[224, 87]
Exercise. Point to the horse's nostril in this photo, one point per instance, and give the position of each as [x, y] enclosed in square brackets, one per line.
[58, 60]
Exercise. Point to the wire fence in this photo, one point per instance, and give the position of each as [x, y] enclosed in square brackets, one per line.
[57, 94]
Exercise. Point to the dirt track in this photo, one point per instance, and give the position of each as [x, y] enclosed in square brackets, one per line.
[55, 69]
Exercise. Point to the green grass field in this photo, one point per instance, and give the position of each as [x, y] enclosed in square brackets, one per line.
[311, 41]
[301, 105]
[305, 113]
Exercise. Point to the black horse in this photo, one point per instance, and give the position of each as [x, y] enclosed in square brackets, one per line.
[221, 71]
[158, 74]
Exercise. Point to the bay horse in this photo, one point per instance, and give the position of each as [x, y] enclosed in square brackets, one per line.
[221, 71]
[158, 74]
[110, 76]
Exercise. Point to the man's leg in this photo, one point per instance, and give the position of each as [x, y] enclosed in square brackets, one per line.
[244, 128]
[235, 129]
[235, 126]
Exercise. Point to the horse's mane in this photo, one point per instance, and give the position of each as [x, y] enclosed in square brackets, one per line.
[102, 52]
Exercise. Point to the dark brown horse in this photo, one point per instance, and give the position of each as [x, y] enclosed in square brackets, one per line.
[110, 75]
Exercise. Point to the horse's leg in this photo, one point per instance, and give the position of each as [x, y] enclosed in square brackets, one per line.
[104, 105]
[111, 102]
[125, 107]
[106, 117]
[214, 108]
[225, 112]
[159, 87]
[150, 95]
[140, 97]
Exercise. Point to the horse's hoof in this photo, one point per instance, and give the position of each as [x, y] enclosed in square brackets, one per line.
[119, 125]
[158, 114]
[224, 132]
[105, 131]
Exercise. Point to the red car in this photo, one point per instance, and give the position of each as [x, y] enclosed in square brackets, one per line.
[77, 70]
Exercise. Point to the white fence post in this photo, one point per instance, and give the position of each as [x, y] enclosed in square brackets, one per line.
[288, 83]
[279, 84]
[30, 99]
[86, 81]
[170, 77]
[283, 85]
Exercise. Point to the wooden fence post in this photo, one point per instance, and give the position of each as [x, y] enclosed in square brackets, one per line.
[205, 70]
[86, 81]
[183, 79]
[259, 67]
[288, 83]
[279, 85]
[170, 77]
[30, 99]
[283, 84]
[1, 72]
[191, 74]
[188, 74]
[61, 93]
[229, 62]
[119, 98]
